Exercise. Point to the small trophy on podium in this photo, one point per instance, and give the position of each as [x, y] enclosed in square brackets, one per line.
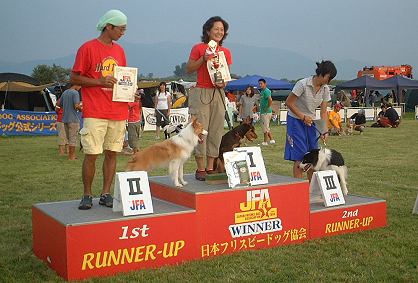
[217, 76]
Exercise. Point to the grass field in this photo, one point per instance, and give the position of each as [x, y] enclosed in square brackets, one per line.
[382, 164]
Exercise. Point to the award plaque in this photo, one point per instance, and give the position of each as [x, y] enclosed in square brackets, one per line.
[126, 85]
[217, 66]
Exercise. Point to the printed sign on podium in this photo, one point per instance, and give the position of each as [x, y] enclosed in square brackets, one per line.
[327, 183]
[236, 168]
[132, 193]
[255, 161]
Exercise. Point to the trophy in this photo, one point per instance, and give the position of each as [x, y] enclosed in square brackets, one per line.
[217, 76]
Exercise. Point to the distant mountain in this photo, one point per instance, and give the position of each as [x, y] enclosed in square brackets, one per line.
[160, 59]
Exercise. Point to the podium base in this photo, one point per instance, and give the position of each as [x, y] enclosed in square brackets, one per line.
[195, 222]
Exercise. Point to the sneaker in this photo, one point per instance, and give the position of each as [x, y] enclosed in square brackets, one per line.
[264, 143]
[272, 141]
[106, 200]
[200, 175]
[86, 202]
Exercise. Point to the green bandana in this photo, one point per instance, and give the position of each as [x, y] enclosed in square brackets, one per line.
[113, 17]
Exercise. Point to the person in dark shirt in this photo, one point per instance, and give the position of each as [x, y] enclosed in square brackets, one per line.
[388, 117]
[357, 121]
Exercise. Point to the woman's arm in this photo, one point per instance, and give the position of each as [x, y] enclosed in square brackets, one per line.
[169, 102]
[194, 65]
[291, 104]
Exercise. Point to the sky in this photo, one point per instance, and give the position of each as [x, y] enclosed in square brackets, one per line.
[381, 32]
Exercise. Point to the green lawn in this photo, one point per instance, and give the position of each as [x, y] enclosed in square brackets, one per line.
[382, 163]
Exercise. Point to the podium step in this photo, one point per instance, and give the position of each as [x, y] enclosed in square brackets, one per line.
[357, 214]
[195, 222]
[68, 214]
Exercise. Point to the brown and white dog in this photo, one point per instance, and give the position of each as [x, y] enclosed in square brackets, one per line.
[172, 152]
[233, 139]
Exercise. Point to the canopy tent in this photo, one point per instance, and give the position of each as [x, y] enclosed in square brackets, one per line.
[243, 83]
[365, 82]
[400, 82]
[21, 92]
[22, 87]
[148, 84]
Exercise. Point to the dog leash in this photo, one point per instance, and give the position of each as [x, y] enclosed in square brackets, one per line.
[162, 114]
[320, 134]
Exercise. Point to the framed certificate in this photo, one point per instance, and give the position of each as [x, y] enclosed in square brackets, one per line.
[124, 89]
[221, 69]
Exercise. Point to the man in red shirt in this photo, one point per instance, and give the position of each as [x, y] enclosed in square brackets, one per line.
[206, 100]
[134, 121]
[104, 120]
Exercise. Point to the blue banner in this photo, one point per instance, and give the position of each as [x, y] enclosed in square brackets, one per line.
[27, 123]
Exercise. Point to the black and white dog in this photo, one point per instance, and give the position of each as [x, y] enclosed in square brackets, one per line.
[169, 128]
[326, 159]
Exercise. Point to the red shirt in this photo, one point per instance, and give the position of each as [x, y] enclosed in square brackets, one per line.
[134, 111]
[203, 78]
[59, 110]
[94, 60]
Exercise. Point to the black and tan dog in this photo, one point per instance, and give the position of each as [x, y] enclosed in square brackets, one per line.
[233, 139]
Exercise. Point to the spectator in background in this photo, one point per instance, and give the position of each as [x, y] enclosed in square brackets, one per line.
[390, 118]
[104, 119]
[357, 121]
[334, 120]
[62, 137]
[344, 99]
[246, 103]
[371, 99]
[134, 121]
[162, 105]
[266, 112]
[70, 100]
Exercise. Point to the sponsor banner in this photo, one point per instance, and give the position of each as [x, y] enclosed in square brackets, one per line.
[27, 123]
[255, 218]
[177, 116]
[332, 222]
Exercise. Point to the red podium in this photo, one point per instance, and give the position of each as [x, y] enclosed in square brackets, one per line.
[197, 221]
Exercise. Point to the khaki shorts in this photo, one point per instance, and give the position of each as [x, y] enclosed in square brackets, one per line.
[102, 134]
[265, 122]
[71, 130]
[208, 107]
[62, 137]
